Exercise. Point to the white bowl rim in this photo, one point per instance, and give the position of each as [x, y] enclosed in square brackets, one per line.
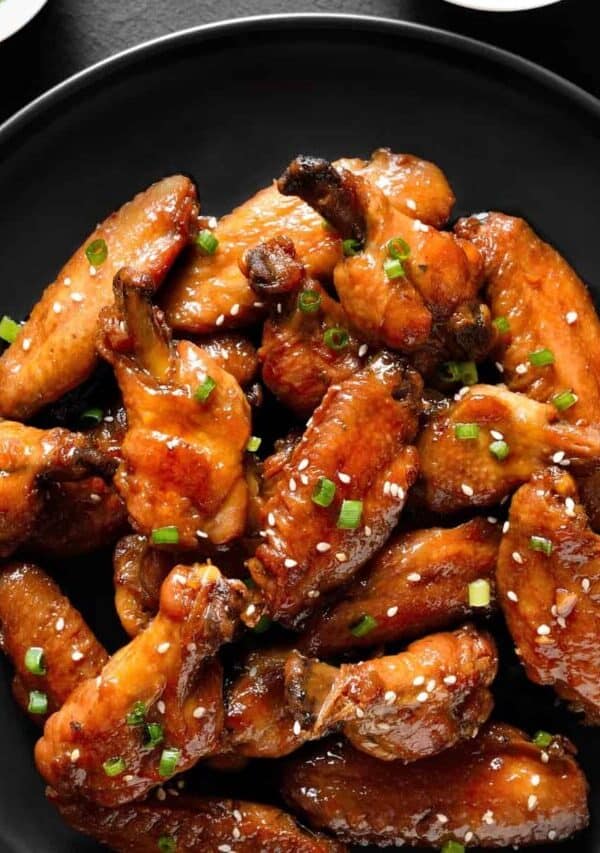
[14, 14]
[502, 5]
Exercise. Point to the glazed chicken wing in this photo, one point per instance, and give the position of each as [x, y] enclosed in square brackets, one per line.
[55, 350]
[418, 582]
[549, 587]
[489, 441]
[336, 500]
[497, 790]
[40, 630]
[188, 426]
[157, 707]
[196, 824]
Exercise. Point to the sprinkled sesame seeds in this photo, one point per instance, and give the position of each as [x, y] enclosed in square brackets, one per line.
[419, 680]
[571, 317]
[545, 758]
[77, 297]
[488, 817]
[368, 530]
[551, 835]
[235, 309]
[517, 558]
[59, 624]
[512, 596]
[292, 485]
[201, 534]
[250, 610]
[26, 345]
[558, 457]
[430, 685]
[224, 848]
[497, 435]
[198, 712]
[271, 519]
[492, 519]
[128, 778]
[323, 547]
[313, 593]
[75, 754]
[289, 563]
[258, 304]
[341, 557]
[297, 728]
[389, 697]
[467, 490]
[67, 281]
[303, 464]
[77, 655]
[521, 369]
[413, 577]
[362, 350]
[304, 479]
[57, 307]
[442, 818]
[450, 680]
[360, 713]
[237, 815]
[391, 612]
[220, 320]
[535, 780]
[161, 794]
[586, 584]
[422, 697]
[499, 367]
[469, 836]
[386, 487]
[543, 630]
[344, 478]
[163, 648]
[532, 802]
[506, 527]
[570, 507]
[236, 833]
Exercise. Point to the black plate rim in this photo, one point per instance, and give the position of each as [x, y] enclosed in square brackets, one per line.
[95, 74]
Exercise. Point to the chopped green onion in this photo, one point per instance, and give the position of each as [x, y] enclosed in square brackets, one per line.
[165, 535]
[351, 247]
[114, 766]
[207, 242]
[393, 268]
[564, 400]
[167, 844]
[542, 739]
[466, 431]
[93, 415]
[453, 847]
[9, 329]
[502, 324]
[97, 252]
[479, 593]
[168, 761]
[38, 702]
[137, 715]
[34, 661]
[541, 357]
[336, 338]
[540, 543]
[263, 624]
[309, 301]
[350, 514]
[203, 392]
[254, 442]
[398, 249]
[459, 371]
[324, 492]
[499, 449]
[154, 734]
[364, 626]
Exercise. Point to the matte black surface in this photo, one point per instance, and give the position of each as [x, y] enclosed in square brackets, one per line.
[231, 106]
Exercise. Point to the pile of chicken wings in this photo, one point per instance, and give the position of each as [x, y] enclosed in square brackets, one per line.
[312, 502]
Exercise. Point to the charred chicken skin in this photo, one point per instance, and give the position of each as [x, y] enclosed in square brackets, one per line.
[417, 583]
[55, 349]
[548, 583]
[497, 790]
[188, 426]
[156, 707]
[336, 500]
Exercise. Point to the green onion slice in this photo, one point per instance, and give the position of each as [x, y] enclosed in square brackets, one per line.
[167, 844]
[154, 734]
[350, 514]
[207, 242]
[9, 329]
[540, 543]
[541, 357]
[165, 535]
[137, 715]
[542, 738]
[393, 268]
[466, 431]
[502, 324]
[499, 449]
[464, 372]
[34, 661]
[324, 492]
[309, 301]
[336, 338]
[364, 626]
[351, 247]
[97, 252]
[564, 400]
[203, 392]
[169, 760]
[398, 249]
[453, 847]
[254, 442]
[38, 702]
[263, 624]
[114, 766]
[479, 593]
[92, 415]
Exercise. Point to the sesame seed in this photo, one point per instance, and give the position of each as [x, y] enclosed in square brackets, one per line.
[271, 519]
[442, 818]
[250, 610]
[297, 728]
[430, 685]
[237, 815]
[67, 281]
[521, 369]
[289, 563]
[488, 817]
[499, 367]
[224, 848]
[161, 794]
[303, 464]
[492, 519]
[392, 611]
[77, 297]
[26, 344]
[512, 596]
[450, 680]
[386, 487]
[362, 350]
[497, 435]
[75, 756]
[304, 479]
[161, 707]
[220, 320]
[467, 490]
[344, 478]
[532, 802]
[258, 304]
[57, 307]
[292, 485]
[517, 558]
[551, 835]
[419, 680]
[535, 780]
[413, 577]
[543, 630]
[236, 833]
[586, 584]
[163, 648]
[235, 309]
[341, 557]
[389, 697]
[198, 712]
[77, 655]
[411, 204]
[422, 697]
[571, 317]
[322, 547]
[570, 507]
[59, 624]
[313, 593]
[201, 534]
[360, 713]
[128, 778]
[558, 457]
[469, 836]
[545, 758]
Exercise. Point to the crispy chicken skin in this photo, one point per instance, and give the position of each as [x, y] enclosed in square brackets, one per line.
[171, 668]
[182, 456]
[439, 272]
[417, 583]
[550, 600]
[368, 459]
[55, 350]
[461, 473]
[196, 824]
[34, 613]
[297, 364]
[233, 353]
[497, 790]
[210, 291]
[547, 306]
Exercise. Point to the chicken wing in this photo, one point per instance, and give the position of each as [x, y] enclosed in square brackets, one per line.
[139, 572]
[336, 500]
[157, 706]
[307, 344]
[418, 583]
[209, 290]
[55, 350]
[548, 584]
[497, 790]
[489, 441]
[188, 426]
[401, 275]
[549, 313]
[233, 353]
[193, 823]
[49, 644]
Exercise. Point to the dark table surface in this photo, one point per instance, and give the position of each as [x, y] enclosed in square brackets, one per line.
[69, 35]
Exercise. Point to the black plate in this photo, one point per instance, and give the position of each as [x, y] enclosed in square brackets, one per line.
[230, 104]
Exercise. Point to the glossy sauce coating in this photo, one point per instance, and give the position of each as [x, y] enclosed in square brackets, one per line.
[371, 460]
[171, 668]
[139, 572]
[148, 232]
[233, 353]
[34, 613]
[552, 600]
[417, 583]
[497, 790]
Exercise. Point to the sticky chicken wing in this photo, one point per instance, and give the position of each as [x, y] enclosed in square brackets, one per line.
[548, 584]
[490, 441]
[209, 291]
[49, 644]
[402, 276]
[497, 790]
[193, 823]
[417, 583]
[55, 350]
[552, 344]
[157, 707]
[307, 344]
[188, 426]
[336, 500]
